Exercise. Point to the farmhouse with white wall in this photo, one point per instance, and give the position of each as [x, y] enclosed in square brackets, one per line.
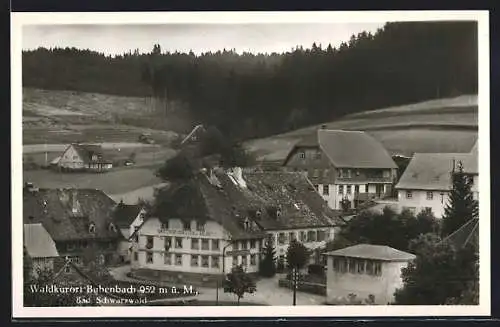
[128, 218]
[227, 214]
[342, 165]
[83, 157]
[427, 181]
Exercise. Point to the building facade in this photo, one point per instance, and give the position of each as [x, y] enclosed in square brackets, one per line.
[83, 157]
[203, 227]
[426, 183]
[368, 272]
[349, 166]
[40, 247]
[80, 221]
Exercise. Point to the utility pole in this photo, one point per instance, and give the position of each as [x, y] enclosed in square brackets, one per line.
[294, 274]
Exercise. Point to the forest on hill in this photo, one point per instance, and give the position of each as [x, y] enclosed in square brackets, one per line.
[255, 95]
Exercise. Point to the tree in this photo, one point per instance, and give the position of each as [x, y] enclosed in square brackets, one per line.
[297, 255]
[178, 168]
[345, 204]
[267, 266]
[239, 283]
[440, 274]
[461, 206]
[235, 155]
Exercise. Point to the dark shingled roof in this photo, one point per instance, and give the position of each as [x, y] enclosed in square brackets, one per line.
[53, 208]
[432, 171]
[370, 251]
[86, 151]
[219, 198]
[125, 214]
[349, 149]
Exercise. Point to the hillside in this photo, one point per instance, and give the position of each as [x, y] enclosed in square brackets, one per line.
[54, 117]
[443, 125]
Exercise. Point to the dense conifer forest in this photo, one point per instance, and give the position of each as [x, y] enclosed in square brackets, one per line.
[254, 95]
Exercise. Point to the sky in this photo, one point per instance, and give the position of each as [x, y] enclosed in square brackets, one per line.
[118, 39]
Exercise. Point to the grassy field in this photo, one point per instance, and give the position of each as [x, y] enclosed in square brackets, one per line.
[446, 125]
[67, 116]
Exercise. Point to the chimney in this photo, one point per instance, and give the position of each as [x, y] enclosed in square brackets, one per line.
[74, 206]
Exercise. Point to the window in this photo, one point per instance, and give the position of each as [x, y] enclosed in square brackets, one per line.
[412, 210]
[92, 228]
[178, 243]
[281, 238]
[357, 172]
[369, 267]
[409, 194]
[67, 269]
[215, 245]
[136, 256]
[349, 189]
[325, 173]
[136, 237]
[178, 259]
[253, 259]
[164, 225]
[70, 246]
[326, 190]
[303, 236]
[204, 244]
[167, 259]
[168, 243]
[244, 261]
[428, 210]
[194, 260]
[341, 189]
[149, 257]
[352, 266]
[315, 173]
[377, 269]
[195, 245]
[339, 265]
[186, 225]
[112, 227]
[149, 242]
[215, 261]
[200, 226]
[204, 261]
[291, 236]
[366, 188]
[321, 235]
[386, 173]
[235, 260]
[311, 236]
[316, 187]
[252, 244]
[430, 195]
[244, 245]
[318, 154]
[442, 197]
[361, 267]
[356, 189]
[302, 155]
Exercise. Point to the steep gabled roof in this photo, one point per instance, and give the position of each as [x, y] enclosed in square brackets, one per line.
[467, 234]
[432, 171]
[53, 208]
[349, 149]
[86, 151]
[38, 242]
[375, 252]
[125, 214]
[221, 198]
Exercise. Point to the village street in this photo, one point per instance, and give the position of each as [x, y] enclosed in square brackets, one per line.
[268, 292]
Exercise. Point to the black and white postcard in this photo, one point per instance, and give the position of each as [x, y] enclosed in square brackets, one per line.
[286, 164]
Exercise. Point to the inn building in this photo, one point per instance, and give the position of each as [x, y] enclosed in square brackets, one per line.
[344, 166]
[201, 228]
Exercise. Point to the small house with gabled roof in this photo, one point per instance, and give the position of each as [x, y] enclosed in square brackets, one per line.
[83, 157]
[40, 247]
[365, 271]
[344, 165]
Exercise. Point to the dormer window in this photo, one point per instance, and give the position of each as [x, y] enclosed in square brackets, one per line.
[278, 213]
[92, 228]
[112, 227]
[258, 213]
[302, 155]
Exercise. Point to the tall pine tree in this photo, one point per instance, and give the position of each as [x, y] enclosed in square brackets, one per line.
[461, 205]
[267, 266]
